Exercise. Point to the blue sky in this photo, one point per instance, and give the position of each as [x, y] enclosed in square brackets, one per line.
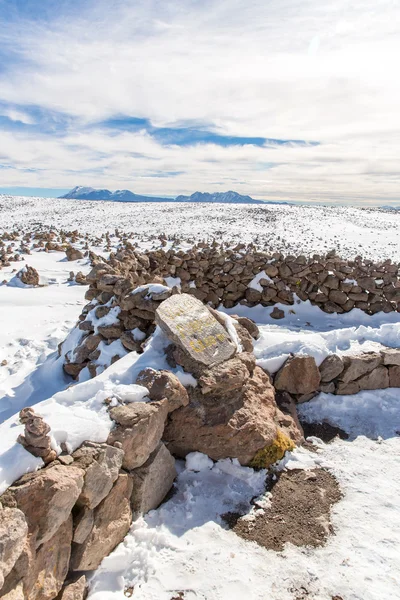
[287, 100]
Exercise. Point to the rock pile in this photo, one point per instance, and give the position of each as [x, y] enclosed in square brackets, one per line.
[344, 375]
[29, 276]
[64, 519]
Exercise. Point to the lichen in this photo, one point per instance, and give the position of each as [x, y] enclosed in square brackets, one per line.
[267, 456]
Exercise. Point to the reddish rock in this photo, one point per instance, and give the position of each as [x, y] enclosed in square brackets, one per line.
[299, 375]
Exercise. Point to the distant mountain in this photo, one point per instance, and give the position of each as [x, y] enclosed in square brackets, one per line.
[88, 193]
[224, 197]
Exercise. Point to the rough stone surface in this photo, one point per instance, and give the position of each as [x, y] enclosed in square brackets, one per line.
[378, 379]
[164, 384]
[299, 375]
[152, 481]
[330, 368]
[277, 313]
[391, 357]
[13, 535]
[83, 524]
[224, 377]
[73, 253]
[46, 498]
[188, 323]
[357, 366]
[235, 425]
[29, 276]
[112, 519]
[394, 376]
[50, 567]
[139, 428]
[75, 590]
[101, 463]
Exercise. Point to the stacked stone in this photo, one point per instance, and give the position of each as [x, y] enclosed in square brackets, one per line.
[343, 375]
[35, 439]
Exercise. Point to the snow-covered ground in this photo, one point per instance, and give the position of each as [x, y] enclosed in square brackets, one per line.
[183, 550]
[295, 229]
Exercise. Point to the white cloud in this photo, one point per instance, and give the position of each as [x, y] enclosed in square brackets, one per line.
[294, 69]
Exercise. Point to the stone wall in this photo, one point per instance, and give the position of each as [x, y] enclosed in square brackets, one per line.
[216, 275]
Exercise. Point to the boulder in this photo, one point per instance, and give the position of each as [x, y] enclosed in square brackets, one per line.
[73, 253]
[391, 357]
[29, 276]
[347, 389]
[330, 368]
[191, 326]
[46, 498]
[378, 379]
[277, 313]
[152, 481]
[394, 376]
[164, 384]
[101, 464]
[139, 427]
[112, 519]
[88, 344]
[13, 535]
[225, 377]
[299, 375]
[75, 590]
[357, 366]
[50, 565]
[235, 425]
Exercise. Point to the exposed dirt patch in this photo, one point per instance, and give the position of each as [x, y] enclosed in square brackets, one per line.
[324, 431]
[299, 513]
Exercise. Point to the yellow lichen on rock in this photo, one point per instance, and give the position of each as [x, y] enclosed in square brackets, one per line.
[267, 456]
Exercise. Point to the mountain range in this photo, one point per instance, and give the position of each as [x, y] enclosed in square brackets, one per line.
[88, 193]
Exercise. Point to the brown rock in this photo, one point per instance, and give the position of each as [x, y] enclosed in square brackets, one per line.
[328, 388]
[101, 464]
[112, 519]
[29, 276]
[75, 590]
[245, 339]
[139, 428]
[13, 535]
[253, 296]
[249, 325]
[391, 357]
[277, 313]
[110, 332]
[394, 376]
[73, 253]
[164, 384]
[223, 378]
[378, 379]
[346, 389]
[357, 366]
[46, 498]
[83, 524]
[236, 425]
[338, 297]
[299, 375]
[152, 481]
[331, 368]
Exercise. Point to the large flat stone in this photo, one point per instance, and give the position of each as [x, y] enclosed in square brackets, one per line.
[152, 481]
[357, 366]
[391, 357]
[112, 519]
[190, 325]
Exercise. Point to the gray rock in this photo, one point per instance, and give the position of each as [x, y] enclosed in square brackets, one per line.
[357, 366]
[164, 384]
[277, 313]
[391, 357]
[152, 481]
[224, 377]
[394, 376]
[13, 535]
[327, 388]
[83, 524]
[378, 379]
[75, 590]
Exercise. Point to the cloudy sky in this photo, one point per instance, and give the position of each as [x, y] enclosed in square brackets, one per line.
[280, 99]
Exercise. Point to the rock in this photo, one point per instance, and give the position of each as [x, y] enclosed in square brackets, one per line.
[35, 439]
[338, 297]
[346, 389]
[152, 481]
[330, 368]
[50, 566]
[83, 524]
[110, 332]
[139, 428]
[391, 357]
[13, 535]
[164, 384]
[277, 313]
[299, 375]
[101, 464]
[16, 593]
[112, 519]
[129, 342]
[394, 376]
[225, 377]
[75, 590]
[188, 323]
[29, 276]
[236, 425]
[253, 296]
[287, 417]
[73, 253]
[85, 348]
[378, 379]
[249, 325]
[357, 366]
[245, 339]
[46, 498]
[328, 388]
[80, 278]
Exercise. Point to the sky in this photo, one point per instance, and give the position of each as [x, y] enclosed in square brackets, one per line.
[281, 99]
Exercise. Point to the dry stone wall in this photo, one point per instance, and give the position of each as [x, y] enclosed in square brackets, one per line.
[130, 283]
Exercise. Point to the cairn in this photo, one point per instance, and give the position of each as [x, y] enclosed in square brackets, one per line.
[36, 439]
